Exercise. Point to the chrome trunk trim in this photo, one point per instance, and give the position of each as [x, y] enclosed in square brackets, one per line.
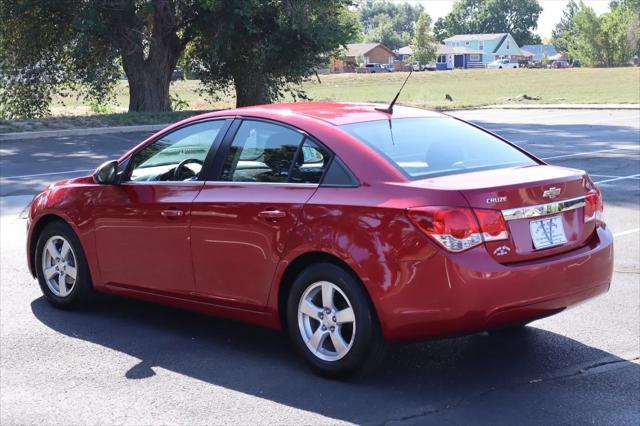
[543, 209]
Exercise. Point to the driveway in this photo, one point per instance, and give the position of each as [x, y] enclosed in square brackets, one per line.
[129, 362]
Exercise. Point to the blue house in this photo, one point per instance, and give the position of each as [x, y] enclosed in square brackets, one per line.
[450, 57]
[447, 57]
[490, 46]
[539, 51]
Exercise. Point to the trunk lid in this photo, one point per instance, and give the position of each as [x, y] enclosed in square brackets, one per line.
[528, 197]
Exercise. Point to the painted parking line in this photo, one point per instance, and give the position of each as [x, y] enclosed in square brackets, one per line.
[618, 178]
[577, 154]
[628, 232]
[46, 174]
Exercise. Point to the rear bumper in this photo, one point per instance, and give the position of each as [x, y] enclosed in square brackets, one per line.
[452, 294]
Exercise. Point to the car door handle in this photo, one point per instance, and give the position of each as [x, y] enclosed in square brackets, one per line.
[272, 214]
[172, 213]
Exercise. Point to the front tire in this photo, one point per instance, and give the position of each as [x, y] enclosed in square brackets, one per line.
[332, 323]
[61, 267]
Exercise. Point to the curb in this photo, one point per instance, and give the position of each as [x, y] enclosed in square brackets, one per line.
[80, 132]
[630, 107]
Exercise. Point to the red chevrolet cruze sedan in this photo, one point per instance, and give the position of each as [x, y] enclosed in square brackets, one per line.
[344, 224]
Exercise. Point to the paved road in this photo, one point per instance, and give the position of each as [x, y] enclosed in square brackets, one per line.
[135, 363]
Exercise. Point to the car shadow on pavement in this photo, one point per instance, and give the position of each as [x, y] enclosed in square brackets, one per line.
[418, 383]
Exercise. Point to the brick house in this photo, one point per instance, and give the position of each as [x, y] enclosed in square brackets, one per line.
[369, 53]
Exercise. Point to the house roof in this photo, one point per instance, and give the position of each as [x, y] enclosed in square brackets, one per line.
[479, 37]
[359, 49]
[443, 49]
[539, 50]
[504, 37]
[405, 51]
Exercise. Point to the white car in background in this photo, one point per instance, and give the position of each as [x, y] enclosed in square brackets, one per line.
[502, 63]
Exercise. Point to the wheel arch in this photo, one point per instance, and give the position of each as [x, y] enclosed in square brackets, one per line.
[36, 230]
[298, 264]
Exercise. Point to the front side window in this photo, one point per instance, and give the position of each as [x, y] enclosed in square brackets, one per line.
[261, 152]
[177, 156]
[436, 146]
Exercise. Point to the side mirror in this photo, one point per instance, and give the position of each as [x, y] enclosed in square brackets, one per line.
[106, 173]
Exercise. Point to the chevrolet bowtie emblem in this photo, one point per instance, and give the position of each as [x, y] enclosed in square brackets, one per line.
[552, 192]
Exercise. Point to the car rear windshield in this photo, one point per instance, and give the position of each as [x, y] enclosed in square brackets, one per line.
[436, 146]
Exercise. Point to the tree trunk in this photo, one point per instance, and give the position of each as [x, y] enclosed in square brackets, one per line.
[149, 88]
[251, 88]
[150, 75]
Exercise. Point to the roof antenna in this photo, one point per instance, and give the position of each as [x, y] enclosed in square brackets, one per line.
[389, 109]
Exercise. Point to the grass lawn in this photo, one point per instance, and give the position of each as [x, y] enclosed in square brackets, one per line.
[467, 88]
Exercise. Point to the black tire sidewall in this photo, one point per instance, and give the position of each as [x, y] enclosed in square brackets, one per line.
[82, 288]
[367, 330]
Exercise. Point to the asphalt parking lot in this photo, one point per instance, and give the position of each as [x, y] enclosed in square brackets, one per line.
[128, 362]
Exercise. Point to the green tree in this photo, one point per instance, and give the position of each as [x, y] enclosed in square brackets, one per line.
[267, 48]
[384, 33]
[390, 23]
[607, 40]
[423, 45]
[563, 32]
[260, 46]
[55, 45]
[403, 16]
[587, 41]
[517, 17]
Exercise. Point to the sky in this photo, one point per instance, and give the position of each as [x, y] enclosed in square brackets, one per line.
[550, 16]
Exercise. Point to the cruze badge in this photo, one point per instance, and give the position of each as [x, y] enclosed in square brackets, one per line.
[493, 200]
[501, 251]
[552, 192]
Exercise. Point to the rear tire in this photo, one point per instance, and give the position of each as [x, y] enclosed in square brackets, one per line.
[332, 323]
[61, 267]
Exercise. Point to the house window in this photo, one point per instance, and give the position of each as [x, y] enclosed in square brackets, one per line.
[507, 44]
[466, 43]
[442, 59]
[481, 45]
[474, 58]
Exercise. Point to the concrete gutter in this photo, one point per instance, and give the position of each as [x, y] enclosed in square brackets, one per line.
[563, 106]
[81, 132]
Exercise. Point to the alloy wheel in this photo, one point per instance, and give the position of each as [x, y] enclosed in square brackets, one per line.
[59, 266]
[326, 321]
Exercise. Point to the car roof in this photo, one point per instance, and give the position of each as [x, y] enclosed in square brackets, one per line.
[336, 113]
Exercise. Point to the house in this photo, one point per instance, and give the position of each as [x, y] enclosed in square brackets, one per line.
[450, 57]
[491, 46]
[447, 57]
[369, 53]
[404, 54]
[539, 51]
[526, 55]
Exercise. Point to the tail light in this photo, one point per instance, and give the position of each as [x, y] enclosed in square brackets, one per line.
[459, 228]
[593, 207]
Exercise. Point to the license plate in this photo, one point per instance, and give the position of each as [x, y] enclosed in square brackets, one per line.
[547, 232]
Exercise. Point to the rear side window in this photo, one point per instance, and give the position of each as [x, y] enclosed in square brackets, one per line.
[436, 146]
[261, 152]
[311, 162]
